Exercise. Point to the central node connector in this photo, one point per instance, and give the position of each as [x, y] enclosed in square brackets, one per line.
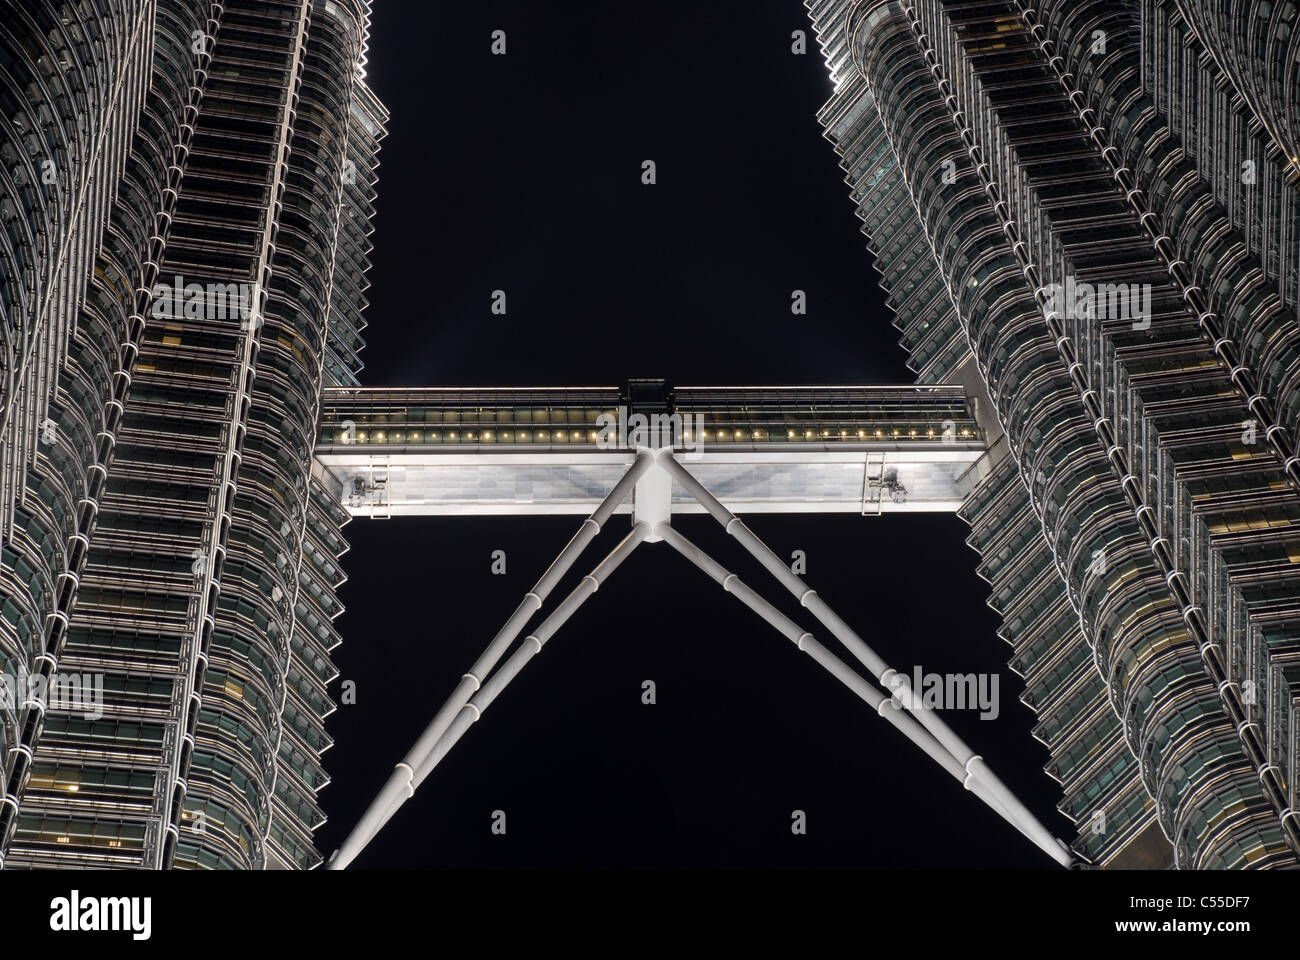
[652, 498]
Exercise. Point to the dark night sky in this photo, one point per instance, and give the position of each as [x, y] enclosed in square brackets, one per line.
[522, 173]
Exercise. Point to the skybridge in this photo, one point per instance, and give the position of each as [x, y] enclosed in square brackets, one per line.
[653, 451]
[390, 452]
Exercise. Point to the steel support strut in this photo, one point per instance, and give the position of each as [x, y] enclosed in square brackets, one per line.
[975, 769]
[402, 782]
[474, 694]
[882, 703]
[531, 646]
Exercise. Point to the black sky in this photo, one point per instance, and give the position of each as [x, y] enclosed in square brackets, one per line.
[522, 173]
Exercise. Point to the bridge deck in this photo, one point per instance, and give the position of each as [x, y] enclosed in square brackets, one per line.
[450, 451]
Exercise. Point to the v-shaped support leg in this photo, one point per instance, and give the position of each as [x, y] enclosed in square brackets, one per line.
[469, 695]
[884, 705]
[977, 775]
[473, 695]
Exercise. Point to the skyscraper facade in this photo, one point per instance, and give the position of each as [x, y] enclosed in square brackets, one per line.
[187, 189]
[1086, 211]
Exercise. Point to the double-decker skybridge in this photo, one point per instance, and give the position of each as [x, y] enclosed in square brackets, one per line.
[652, 452]
[391, 452]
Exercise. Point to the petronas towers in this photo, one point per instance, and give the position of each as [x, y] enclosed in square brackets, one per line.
[1085, 215]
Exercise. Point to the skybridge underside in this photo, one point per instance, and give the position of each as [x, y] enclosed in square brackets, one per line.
[864, 479]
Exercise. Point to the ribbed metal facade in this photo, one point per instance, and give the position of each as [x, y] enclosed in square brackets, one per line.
[1140, 532]
[168, 535]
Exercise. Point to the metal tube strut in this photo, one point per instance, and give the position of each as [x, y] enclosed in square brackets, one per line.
[401, 782]
[971, 762]
[532, 645]
[882, 703]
